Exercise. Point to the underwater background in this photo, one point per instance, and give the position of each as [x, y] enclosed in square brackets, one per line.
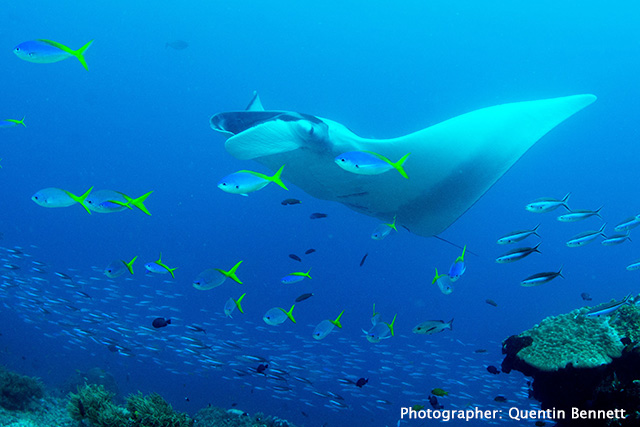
[138, 121]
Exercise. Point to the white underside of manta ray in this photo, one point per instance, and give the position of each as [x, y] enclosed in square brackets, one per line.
[452, 164]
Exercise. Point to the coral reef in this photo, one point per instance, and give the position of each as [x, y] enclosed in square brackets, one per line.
[217, 417]
[18, 391]
[93, 403]
[578, 361]
[92, 376]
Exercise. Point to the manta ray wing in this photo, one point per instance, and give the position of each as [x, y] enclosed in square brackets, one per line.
[452, 164]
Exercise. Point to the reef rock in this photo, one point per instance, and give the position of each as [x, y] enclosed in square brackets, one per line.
[582, 363]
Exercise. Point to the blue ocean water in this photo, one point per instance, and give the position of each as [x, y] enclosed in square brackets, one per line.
[138, 121]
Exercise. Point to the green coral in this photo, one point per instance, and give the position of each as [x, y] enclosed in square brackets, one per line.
[94, 403]
[18, 391]
[584, 342]
[154, 411]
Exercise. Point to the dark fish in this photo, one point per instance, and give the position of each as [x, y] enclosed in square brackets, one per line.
[363, 259]
[112, 348]
[500, 399]
[160, 322]
[81, 410]
[295, 257]
[434, 402]
[303, 297]
[480, 350]
[304, 414]
[625, 340]
[491, 302]
[261, 368]
[361, 382]
[309, 251]
[317, 215]
[177, 45]
[83, 294]
[287, 202]
[585, 296]
[493, 370]
[195, 328]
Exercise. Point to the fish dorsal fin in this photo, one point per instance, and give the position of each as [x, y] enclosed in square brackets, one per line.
[255, 104]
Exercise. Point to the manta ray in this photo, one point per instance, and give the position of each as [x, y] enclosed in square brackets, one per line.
[452, 164]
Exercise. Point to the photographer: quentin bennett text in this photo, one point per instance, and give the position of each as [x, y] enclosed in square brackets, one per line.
[513, 413]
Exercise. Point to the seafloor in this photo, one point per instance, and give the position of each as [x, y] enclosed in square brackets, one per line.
[25, 401]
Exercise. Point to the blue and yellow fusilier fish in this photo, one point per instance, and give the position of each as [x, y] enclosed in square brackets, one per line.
[277, 316]
[231, 305]
[244, 181]
[295, 277]
[369, 163]
[10, 123]
[380, 331]
[458, 267]
[444, 282]
[43, 51]
[58, 198]
[158, 267]
[325, 327]
[214, 277]
[118, 267]
[383, 230]
[109, 201]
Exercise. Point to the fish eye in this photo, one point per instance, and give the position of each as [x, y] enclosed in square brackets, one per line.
[357, 166]
[224, 184]
[30, 53]
[342, 159]
[237, 186]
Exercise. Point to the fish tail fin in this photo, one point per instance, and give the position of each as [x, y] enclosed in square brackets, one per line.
[393, 224]
[337, 321]
[290, 313]
[390, 325]
[435, 278]
[601, 231]
[276, 178]
[21, 122]
[535, 230]
[565, 199]
[238, 301]
[80, 54]
[560, 271]
[398, 165]
[81, 199]
[171, 270]
[451, 324]
[461, 257]
[598, 212]
[232, 273]
[129, 264]
[139, 202]
[535, 248]
[307, 274]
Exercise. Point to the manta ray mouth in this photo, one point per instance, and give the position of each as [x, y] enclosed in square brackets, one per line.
[452, 164]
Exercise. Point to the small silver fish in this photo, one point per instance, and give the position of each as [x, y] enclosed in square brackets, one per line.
[628, 224]
[616, 239]
[579, 215]
[608, 307]
[517, 254]
[548, 204]
[516, 236]
[541, 278]
[585, 237]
